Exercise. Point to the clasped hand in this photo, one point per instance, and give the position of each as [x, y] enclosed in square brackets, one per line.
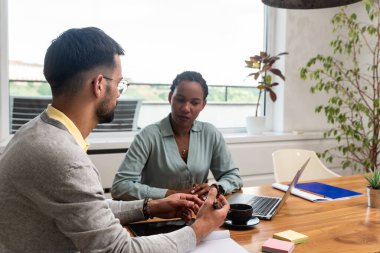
[178, 205]
[182, 205]
[200, 190]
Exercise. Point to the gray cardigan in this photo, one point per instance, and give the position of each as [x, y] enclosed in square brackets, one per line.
[51, 200]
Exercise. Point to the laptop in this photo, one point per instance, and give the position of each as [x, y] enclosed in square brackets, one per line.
[265, 207]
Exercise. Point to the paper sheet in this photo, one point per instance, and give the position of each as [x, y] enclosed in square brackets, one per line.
[302, 194]
[219, 241]
[219, 234]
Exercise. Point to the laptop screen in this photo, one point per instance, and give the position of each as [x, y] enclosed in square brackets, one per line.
[265, 207]
[292, 184]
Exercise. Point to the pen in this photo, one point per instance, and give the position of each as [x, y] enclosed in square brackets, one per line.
[216, 202]
[216, 205]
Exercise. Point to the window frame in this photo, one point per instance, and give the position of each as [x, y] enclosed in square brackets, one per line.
[4, 88]
[4, 71]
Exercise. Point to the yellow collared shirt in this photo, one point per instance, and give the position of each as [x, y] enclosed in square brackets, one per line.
[74, 131]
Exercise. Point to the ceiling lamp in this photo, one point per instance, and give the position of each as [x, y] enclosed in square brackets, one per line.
[307, 4]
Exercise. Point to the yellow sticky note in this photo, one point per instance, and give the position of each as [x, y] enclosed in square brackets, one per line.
[291, 236]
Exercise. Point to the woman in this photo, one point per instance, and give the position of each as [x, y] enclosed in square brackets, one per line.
[177, 153]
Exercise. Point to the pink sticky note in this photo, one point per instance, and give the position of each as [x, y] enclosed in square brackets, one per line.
[274, 245]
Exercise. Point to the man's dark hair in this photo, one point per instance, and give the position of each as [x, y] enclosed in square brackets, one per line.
[76, 51]
[190, 76]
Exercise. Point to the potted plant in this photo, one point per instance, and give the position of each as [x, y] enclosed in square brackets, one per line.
[351, 78]
[263, 64]
[373, 189]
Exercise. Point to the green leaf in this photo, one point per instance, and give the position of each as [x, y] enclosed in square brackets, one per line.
[268, 79]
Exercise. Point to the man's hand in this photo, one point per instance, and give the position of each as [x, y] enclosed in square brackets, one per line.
[179, 205]
[209, 218]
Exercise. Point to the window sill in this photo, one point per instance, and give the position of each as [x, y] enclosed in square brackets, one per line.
[122, 140]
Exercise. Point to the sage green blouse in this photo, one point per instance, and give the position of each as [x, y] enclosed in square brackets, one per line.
[152, 164]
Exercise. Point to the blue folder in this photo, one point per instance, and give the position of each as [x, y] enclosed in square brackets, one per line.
[327, 191]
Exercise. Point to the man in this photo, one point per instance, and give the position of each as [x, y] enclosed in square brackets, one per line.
[51, 199]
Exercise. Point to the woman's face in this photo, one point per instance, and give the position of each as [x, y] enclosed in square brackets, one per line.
[186, 103]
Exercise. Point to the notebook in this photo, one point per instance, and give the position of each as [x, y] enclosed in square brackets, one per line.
[265, 207]
[291, 236]
[216, 241]
[219, 241]
[157, 227]
[327, 191]
[277, 246]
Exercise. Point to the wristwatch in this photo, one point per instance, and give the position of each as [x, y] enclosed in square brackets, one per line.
[221, 190]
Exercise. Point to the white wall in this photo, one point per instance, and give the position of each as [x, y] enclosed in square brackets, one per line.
[302, 33]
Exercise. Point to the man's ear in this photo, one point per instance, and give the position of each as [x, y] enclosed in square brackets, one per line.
[97, 86]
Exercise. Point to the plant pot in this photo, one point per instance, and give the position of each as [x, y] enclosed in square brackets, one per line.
[255, 125]
[373, 197]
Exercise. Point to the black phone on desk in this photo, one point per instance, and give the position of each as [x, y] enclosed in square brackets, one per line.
[157, 227]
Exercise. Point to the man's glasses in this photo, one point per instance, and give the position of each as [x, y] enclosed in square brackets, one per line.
[122, 86]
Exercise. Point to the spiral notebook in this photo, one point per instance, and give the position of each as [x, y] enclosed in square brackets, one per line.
[216, 241]
[327, 191]
[157, 227]
[319, 192]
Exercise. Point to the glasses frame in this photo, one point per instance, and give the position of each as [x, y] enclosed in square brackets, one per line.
[122, 86]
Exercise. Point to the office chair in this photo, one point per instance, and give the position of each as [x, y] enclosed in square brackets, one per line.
[286, 162]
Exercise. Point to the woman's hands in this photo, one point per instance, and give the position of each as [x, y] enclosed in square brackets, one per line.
[178, 205]
[200, 190]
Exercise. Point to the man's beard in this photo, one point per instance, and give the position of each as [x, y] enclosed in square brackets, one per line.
[104, 114]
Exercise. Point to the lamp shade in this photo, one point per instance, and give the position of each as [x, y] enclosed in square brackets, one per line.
[307, 4]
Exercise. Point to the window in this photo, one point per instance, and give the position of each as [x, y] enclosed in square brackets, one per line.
[161, 39]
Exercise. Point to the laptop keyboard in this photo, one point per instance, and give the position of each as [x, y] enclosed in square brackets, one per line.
[263, 205]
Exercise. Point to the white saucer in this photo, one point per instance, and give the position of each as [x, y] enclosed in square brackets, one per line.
[250, 224]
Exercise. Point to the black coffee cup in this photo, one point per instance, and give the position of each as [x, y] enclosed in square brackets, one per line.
[239, 214]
